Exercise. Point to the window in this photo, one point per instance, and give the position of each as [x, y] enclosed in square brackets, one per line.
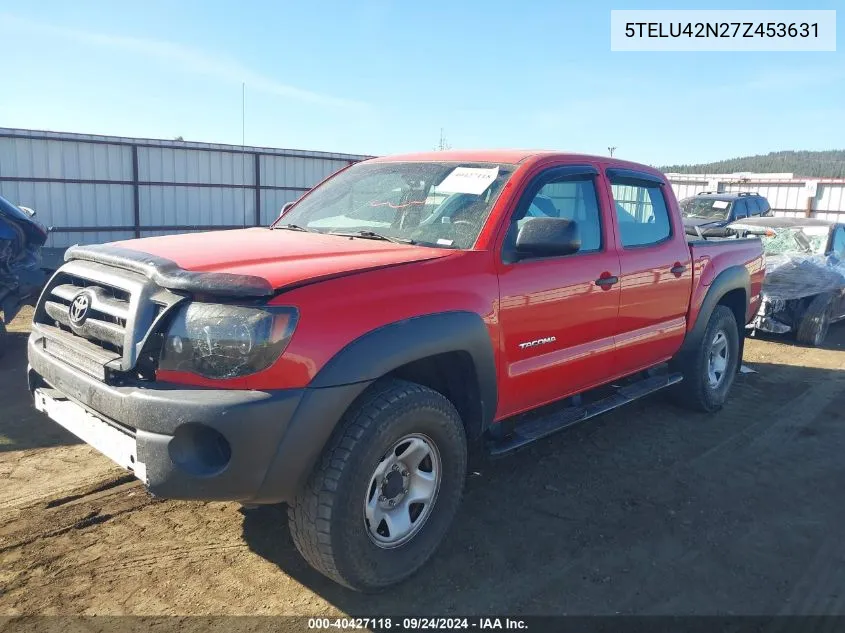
[754, 207]
[571, 196]
[740, 209]
[641, 212]
[839, 242]
[765, 209]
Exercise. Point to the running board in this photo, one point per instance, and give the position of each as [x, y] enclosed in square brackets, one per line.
[542, 426]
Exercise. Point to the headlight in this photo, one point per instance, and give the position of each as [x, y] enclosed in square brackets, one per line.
[224, 341]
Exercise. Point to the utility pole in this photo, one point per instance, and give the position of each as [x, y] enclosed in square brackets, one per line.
[611, 150]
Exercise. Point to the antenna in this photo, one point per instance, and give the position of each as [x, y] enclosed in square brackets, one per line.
[611, 150]
[243, 147]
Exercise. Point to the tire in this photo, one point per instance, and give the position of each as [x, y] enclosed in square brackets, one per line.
[697, 391]
[327, 518]
[815, 322]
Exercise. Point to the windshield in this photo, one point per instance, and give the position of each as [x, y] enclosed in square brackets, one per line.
[807, 240]
[705, 208]
[429, 203]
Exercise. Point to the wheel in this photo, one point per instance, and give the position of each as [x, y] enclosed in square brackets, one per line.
[386, 489]
[815, 322]
[709, 371]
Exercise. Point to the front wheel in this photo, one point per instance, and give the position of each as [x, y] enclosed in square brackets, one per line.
[709, 370]
[815, 322]
[386, 489]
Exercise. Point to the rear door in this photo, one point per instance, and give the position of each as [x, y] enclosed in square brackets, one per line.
[656, 271]
[557, 323]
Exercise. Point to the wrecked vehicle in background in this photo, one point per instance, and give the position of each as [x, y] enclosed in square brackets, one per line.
[21, 275]
[804, 287]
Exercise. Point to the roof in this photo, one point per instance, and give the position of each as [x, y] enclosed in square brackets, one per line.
[511, 156]
[735, 195]
[783, 223]
[38, 135]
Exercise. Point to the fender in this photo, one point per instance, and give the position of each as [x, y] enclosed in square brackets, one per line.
[382, 350]
[732, 278]
[354, 368]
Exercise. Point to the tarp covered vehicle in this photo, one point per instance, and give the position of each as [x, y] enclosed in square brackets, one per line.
[804, 287]
[21, 276]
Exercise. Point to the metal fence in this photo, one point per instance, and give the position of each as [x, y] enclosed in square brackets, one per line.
[93, 189]
[797, 197]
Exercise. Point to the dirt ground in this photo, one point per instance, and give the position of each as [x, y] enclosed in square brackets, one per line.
[648, 510]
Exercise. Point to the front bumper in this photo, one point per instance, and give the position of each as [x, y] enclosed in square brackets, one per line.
[766, 319]
[193, 443]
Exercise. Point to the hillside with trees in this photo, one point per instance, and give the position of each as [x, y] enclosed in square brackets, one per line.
[824, 164]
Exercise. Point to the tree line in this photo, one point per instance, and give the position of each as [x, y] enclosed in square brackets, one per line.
[821, 164]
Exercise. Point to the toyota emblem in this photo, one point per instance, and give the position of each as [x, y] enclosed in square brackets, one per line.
[79, 309]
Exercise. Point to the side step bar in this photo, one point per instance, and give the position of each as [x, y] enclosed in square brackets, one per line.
[536, 428]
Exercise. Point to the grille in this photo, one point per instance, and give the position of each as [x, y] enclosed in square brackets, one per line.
[120, 309]
[105, 322]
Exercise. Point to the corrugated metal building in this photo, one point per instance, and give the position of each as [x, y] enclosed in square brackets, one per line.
[817, 197]
[93, 188]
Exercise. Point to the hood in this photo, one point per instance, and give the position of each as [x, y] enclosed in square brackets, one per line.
[34, 231]
[251, 262]
[688, 221]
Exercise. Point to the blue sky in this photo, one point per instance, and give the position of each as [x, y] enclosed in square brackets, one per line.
[375, 76]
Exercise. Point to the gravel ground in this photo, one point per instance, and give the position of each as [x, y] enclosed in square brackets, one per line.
[647, 510]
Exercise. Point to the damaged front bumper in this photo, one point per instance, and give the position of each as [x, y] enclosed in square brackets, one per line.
[767, 319]
[193, 443]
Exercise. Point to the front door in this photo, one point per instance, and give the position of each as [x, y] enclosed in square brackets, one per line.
[557, 323]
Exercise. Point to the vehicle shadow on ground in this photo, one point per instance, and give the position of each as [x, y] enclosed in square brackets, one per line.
[649, 509]
[21, 426]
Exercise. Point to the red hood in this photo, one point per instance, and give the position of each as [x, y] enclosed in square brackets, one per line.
[280, 256]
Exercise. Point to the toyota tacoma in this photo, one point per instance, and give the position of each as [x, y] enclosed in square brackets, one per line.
[342, 359]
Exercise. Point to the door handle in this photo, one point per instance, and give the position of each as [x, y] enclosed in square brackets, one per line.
[678, 270]
[606, 282]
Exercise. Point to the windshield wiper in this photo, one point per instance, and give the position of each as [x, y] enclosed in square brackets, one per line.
[296, 227]
[372, 235]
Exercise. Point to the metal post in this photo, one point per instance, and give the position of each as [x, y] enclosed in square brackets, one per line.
[136, 200]
[257, 189]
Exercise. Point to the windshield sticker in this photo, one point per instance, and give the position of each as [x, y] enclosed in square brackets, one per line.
[442, 242]
[720, 204]
[473, 180]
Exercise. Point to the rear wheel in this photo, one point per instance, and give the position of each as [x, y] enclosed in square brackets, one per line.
[815, 322]
[386, 490]
[709, 370]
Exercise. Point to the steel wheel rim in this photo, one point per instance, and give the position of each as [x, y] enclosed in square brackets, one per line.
[402, 491]
[717, 360]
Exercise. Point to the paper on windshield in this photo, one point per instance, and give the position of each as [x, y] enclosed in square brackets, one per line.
[474, 180]
[720, 204]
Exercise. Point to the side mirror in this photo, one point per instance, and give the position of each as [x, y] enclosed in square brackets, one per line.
[548, 237]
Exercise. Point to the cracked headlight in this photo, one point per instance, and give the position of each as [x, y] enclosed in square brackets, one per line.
[225, 341]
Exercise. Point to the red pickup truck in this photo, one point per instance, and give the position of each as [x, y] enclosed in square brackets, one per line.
[342, 359]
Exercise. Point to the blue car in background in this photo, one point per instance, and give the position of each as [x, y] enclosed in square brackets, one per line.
[21, 275]
[710, 212]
